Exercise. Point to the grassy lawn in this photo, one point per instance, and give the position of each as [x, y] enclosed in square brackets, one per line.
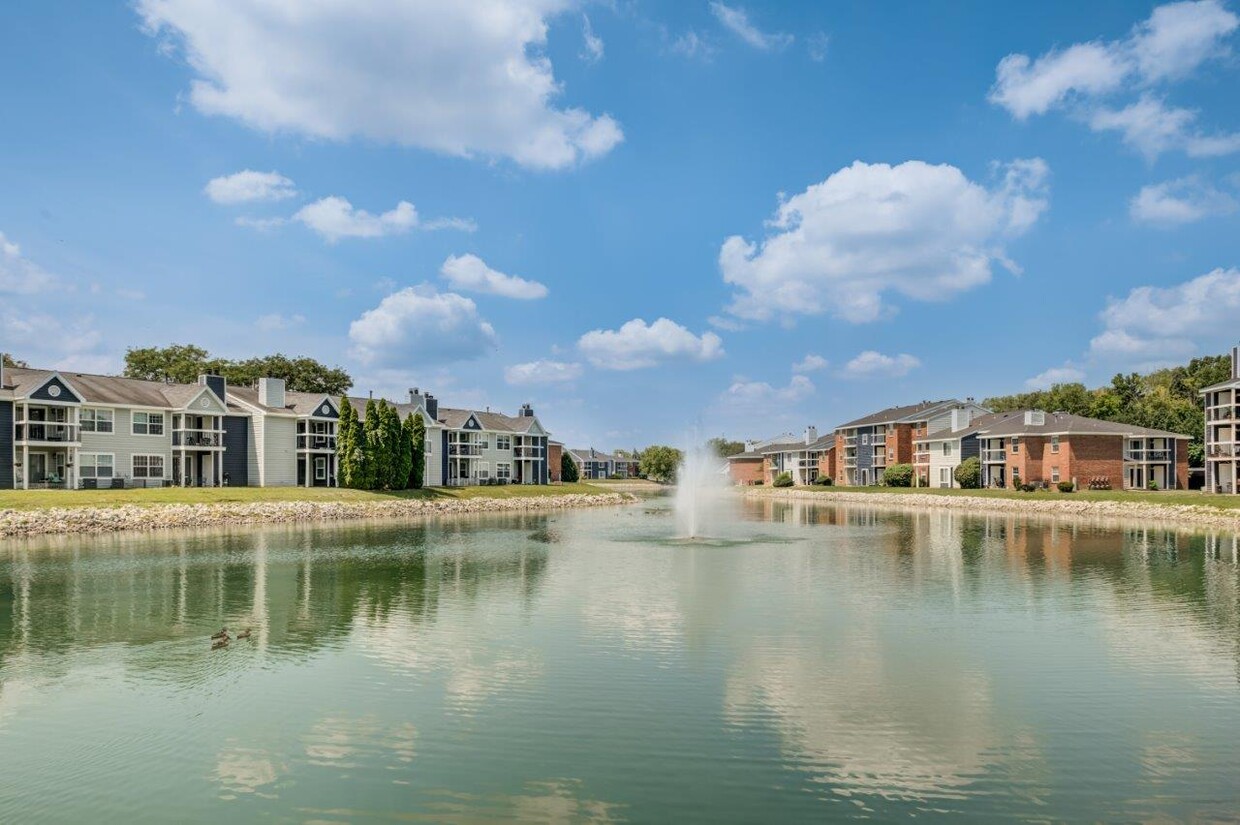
[1167, 498]
[42, 499]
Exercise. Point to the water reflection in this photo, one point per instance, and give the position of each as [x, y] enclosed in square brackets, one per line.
[860, 662]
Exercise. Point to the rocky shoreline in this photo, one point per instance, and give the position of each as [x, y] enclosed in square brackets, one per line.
[60, 520]
[1131, 511]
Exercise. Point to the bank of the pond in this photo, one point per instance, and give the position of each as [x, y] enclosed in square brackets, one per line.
[164, 516]
[1140, 508]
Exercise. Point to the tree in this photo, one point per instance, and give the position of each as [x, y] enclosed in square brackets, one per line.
[723, 448]
[417, 452]
[348, 446]
[898, 475]
[659, 463]
[568, 468]
[782, 480]
[183, 363]
[391, 444]
[10, 361]
[968, 473]
[368, 464]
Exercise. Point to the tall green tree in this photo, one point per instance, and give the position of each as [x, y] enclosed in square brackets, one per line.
[659, 463]
[183, 363]
[392, 441]
[348, 446]
[723, 448]
[417, 440]
[568, 468]
[368, 469]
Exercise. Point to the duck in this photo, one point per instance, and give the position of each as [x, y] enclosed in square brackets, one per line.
[220, 642]
[223, 634]
[245, 634]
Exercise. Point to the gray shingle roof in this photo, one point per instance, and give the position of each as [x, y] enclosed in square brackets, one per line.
[979, 423]
[1066, 423]
[892, 415]
[107, 389]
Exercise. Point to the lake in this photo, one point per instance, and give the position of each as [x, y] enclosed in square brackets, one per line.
[829, 663]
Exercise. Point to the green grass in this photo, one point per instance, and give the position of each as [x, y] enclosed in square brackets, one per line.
[1169, 498]
[43, 499]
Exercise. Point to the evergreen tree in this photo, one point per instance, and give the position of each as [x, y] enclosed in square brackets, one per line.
[417, 472]
[346, 444]
[368, 475]
[404, 468]
[393, 445]
[568, 468]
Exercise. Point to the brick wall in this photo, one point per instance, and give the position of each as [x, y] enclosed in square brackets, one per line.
[555, 458]
[904, 445]
[839, 460]
[1092, 456]
[747, 471]
[1181, 464]
[826, 463]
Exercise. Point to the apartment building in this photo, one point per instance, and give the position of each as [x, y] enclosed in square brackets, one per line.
[942, 450]
[1046, 448]
[67, 430]
[596, 464]
[1222, 411]
[805, 459]
[866, 447]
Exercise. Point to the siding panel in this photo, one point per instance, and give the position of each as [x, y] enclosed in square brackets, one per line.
[237, 450]
[6, 445]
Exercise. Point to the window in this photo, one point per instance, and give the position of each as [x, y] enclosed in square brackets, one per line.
[503, 471]
[96, 465]
[1054, 475]
[484, 442]
[1015, 444]
[148, 423]
[320, 468]
[148, 466]
[947, 448]
[945, 477]
[96, 421]
[503, 442]
[865, 439]
[1054, 443]
[428, 444]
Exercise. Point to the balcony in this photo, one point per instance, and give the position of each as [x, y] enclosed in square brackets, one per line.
[464, 449]
[1221, 450]
[205, 439]
[527, 452]
[1220, 414]
[1147, 455]
[994, 456]
[46, 432]
[922, 457]
[316, 441]
[850, 441]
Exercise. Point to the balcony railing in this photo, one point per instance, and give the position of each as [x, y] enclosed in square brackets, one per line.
[197, 438]
[1147, 455]
[316, 441]
[1221, 450]
[994, 455]
[527, 452]
[465, 449]
[1221, 414]
[850, 441]
[27, 432]
[921, 457]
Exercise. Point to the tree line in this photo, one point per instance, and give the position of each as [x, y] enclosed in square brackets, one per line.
[382, 452]
[183, 363]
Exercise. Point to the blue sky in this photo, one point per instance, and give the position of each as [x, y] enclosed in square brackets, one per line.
[832, 208]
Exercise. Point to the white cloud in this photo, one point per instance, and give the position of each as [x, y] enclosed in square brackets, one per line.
[470, 273]
[817, 46]
[459, 224]
[1179, 201]
[726, 324]
[637, 345]
[736, 20]
[335, 218]
[926, 232]
[691, 44]
[248, 186]
[760, 392]
[811, 363]
[1171, 44]
[542, 372]
[275, 322]
[19, 274]
[1157, 325]
[1054, 375]
[418, 324]
[593, 43]
[464, 79]
[871, 364]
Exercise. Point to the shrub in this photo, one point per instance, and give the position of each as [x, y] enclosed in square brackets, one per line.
[782, 480]
[759, 483]
[1028, 488]
[1016, 482]
[898, 475]
[824, 481]
[969, 474]
[1066, 486]
[1153, 485]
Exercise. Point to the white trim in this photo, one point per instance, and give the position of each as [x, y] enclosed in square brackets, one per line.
[82, 421]
[163, 465]
[81, 461]
[165, 427]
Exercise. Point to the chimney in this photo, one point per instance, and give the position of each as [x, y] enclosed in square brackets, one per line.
[526, 411]
[750, 446]
[1034, 418]
[371, 396]
[2, 355]
[1235, 361]
[811, 435]
[271, 392]
[217, 384]
[432, 407]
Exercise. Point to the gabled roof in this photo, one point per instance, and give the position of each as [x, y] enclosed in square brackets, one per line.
[1061, 423]
[1222, 385]
[107, 389]
[893, 415]
[821, 443]
[591, 454]
[974, 426]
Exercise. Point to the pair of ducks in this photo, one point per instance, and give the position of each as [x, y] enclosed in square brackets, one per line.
[221, 639]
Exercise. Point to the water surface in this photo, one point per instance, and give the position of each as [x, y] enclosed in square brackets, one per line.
[846, 663]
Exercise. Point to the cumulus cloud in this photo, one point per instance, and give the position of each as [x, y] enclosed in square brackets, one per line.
[542, 372]
[593, 43]
[421, 324]
[248, 186]
[470, 273]
[736, 20]
[871, 364]
[18, 274]
[637, 345]
[761, 392]
[463, 79]
[811, 363]
[1153, 326]
[923, 231]
[1054, 375]
[335, 218]
[1170, 45]
[1179, 202]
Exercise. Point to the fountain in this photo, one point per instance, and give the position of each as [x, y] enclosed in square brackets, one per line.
[701, 488]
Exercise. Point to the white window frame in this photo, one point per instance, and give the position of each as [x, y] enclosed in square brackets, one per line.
[82, 459]
[945, 476]
[947, 448]
[865, 439]
[146, 473]
[91, 414]
[1054, 443]
[503, 470]
[503, 442]
[147, 416]
[483, 470]
[1015, 445]
[320, 468]
[1054, 475]
[428, 444]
